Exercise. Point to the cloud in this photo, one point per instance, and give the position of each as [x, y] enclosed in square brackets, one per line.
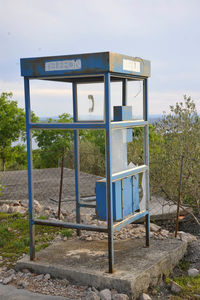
[166, 32]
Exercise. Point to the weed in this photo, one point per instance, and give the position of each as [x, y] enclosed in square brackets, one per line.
[14, 233]
[66, 232]
[183, 265]
[190, 285]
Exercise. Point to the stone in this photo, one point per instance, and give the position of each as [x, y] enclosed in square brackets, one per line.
[65, 282]
[39, 277]
[85, 218]
[38, 207]
[144, 296]
[1, 258]
[17, 209]
[95, 290]
[25, 271]
[193, 272]
[10, 272]
[175, 287]
[186, 237]
[120, 297]
[105, 294]
[7, 279]
[4, 208]
[91, 296]
[24, 284]
[165, 233]
[47, 276]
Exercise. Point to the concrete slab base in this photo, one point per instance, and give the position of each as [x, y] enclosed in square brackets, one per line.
[86, 263]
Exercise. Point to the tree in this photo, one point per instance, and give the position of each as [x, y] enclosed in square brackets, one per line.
[12, 125]
[52, 143]
[180, 136]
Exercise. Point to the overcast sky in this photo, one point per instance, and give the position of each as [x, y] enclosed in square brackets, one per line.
[167, 32]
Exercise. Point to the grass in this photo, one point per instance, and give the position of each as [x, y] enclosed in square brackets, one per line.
[190, 285]
[14, 236]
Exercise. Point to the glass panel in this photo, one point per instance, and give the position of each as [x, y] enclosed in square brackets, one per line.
[53, 173]
[135, 98]
[116, 95]
[127, 148]
[90, 99]
[49, 100]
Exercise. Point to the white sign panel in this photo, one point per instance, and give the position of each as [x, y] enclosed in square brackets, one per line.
[62, 65]
[130, 65]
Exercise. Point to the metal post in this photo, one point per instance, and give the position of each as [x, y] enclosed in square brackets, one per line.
[179, 196]
[29, 161]
[109, 173]
[146, 158]
[61, 183]
[124, 91]
[76, 155]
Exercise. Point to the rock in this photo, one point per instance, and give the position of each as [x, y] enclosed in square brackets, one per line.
[47, 276]
[7, 279]
[38, 207]
[85, 218]
[105, 294]
[175, 287]
[193, 272]
[24, 284]
[144, 297]
[165, 233]
[4, 208]
[95, 290]
[1, 258]
[10, 272]
[186, 237]
[39, 277]
[16, 203]
[65, 282]
[25, 271]
[120, 297]
[91, 296]
[154, 292]
[17, 209]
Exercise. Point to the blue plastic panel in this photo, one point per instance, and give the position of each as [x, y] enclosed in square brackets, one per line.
[129, 195]
[122, 113]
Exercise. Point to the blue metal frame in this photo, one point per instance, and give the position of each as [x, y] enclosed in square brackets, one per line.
[66, 65]
[146, 158]
[29, 161]
[109, 173]
[110, 65]
[76, 154]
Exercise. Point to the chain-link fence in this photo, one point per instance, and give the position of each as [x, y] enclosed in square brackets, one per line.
[48, 186]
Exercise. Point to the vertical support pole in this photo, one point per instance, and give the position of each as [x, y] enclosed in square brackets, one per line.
[29, 161]
[61, 183]
[76, 155]
[109, 173]
[146, 158]
[124, 91]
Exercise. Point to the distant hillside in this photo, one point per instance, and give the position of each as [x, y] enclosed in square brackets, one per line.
[152, 118]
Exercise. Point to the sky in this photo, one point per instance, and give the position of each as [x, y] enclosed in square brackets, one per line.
[166, 32]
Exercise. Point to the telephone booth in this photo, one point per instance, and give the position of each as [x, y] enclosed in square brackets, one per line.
[118, 194]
